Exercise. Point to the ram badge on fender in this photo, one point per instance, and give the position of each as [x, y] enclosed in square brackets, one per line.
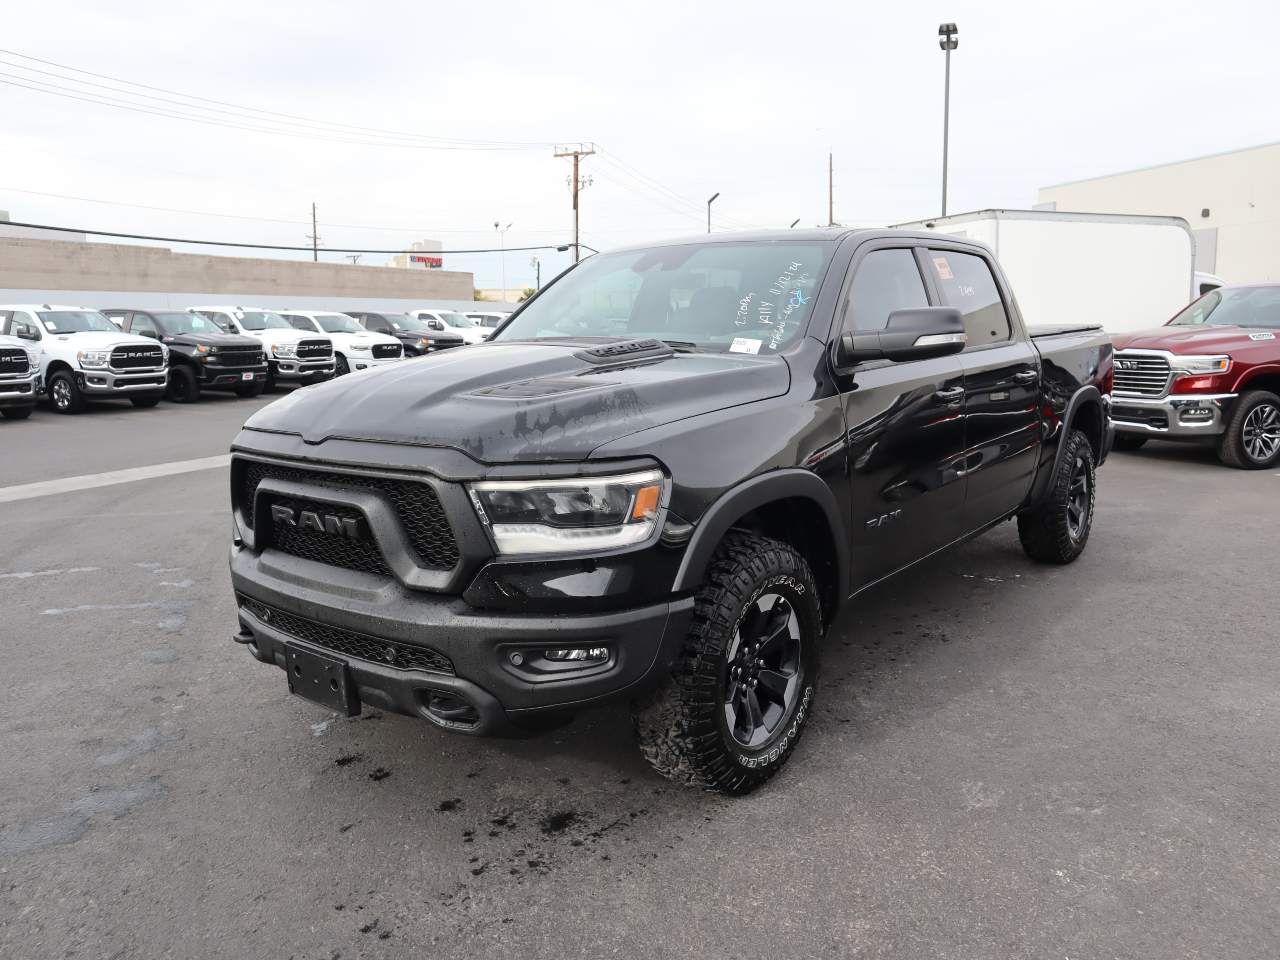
[659, 482]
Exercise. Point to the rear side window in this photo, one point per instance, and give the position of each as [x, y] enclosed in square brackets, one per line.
[886, 280]
[966, 282]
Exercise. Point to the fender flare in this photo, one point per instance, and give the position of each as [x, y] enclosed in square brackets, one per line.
[1079, 398]
[732, 506]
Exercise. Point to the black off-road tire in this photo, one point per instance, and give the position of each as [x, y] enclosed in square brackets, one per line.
[682, 727]
[64, 394]
[16, 413]
[146, 402]
[1253, 411]
[250, 390]
[1129, 441]
[183, 386]
[340, 366]
[1058, 530]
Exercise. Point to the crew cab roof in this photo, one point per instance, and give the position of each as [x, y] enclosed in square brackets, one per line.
[800, 234]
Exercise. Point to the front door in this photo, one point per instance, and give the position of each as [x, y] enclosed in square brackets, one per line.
[905, 426]
[1001, 386]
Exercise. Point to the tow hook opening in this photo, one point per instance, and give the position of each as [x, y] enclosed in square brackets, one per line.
[450, 709]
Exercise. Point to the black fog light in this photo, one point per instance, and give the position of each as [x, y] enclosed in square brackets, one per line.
[1196, 414]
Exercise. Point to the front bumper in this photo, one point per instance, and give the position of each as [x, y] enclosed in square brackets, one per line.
[1174, 417]
[302, 369]
[217, 375]
[18, 393]
[472, 653]
[109, 382]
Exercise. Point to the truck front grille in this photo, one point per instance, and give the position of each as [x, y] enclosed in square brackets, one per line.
[391, 653]
[386, 351]
[337, 551]
[416, 505]
[241, 356]
[1141, 375]
[14, 362]
[315, 350]
[136, 358]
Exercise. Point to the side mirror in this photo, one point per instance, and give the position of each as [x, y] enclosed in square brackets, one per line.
[921, 333]
[24, 331]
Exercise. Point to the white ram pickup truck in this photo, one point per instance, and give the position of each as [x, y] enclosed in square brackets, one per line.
[292, 355]
[19, 368]
[83, 356]
[354, 347]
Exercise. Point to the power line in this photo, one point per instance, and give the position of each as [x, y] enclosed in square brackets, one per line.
[256, 246]
[446, 142]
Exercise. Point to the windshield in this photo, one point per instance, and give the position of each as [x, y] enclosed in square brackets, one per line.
[1234, 307]
[456, 320]
[76, 321]
[404, 323]
[299, 322]
[262, 320]
[339, 323]
[747, 297]
[180, 324]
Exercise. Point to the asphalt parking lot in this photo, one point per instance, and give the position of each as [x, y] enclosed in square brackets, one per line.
[1005, 761]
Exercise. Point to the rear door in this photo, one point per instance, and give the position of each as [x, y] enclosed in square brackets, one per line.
[1001, 385]
[905, 426]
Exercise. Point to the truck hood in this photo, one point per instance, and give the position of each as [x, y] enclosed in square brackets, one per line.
[511, 402]
[1200, 339]
[344, 341]
[101, 340]
[281, 335]
[211, 340]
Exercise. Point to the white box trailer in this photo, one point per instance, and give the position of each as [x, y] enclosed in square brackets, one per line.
[1126, 272]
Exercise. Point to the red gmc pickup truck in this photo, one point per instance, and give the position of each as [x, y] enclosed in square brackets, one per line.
[1210, 373]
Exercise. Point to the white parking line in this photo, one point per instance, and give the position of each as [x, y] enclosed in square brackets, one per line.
[46, 488]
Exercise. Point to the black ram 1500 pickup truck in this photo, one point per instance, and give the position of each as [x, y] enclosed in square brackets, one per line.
[660, 481]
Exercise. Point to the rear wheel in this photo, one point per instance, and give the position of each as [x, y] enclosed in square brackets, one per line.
[64, 394]
[743, 686]
[16, 413]
[1252, 438]
[183, 386]
[1128, 441]
[1058, 529]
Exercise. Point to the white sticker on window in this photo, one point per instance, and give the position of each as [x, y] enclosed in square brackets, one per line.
[744, 345]
[944, 269]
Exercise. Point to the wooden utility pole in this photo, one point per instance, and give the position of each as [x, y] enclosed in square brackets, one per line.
[576, 185]
[315, 235]
[831, 197]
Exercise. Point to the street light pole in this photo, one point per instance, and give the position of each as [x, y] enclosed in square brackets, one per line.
[502, 246]
[948, 40]
[713, 196]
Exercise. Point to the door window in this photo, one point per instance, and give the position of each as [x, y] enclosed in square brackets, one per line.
[966, 283]
[886, 280]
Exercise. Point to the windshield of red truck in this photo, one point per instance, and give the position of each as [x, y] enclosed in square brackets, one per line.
[1234, 307]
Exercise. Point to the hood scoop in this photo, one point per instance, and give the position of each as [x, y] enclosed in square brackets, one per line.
[626, 352]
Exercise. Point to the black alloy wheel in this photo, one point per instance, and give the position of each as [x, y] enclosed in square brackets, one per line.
[764, 671]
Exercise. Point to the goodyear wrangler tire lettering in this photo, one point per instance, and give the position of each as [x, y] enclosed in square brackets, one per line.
[742, 690]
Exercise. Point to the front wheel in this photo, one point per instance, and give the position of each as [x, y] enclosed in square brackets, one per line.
[64, 394]
[340, 366]
[16, 413]
[146, 402]
[251, 389]
[1129, 441]
[743, 686]
[1252, 438]
[1058, 529]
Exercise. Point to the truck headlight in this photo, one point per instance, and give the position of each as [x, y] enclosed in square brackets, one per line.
[284, 349]
[572, 515]
[359, 346]
[1200, 365]
[93, 359]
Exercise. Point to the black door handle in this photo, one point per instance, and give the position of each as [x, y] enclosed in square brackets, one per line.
[1026, 376]
[949, 395]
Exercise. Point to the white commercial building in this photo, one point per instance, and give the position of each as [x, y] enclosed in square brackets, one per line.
[1231, 200]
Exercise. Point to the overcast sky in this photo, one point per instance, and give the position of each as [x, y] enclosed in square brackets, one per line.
[684, 99]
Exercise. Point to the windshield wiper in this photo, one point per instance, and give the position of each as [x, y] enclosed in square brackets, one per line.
[681, 346]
